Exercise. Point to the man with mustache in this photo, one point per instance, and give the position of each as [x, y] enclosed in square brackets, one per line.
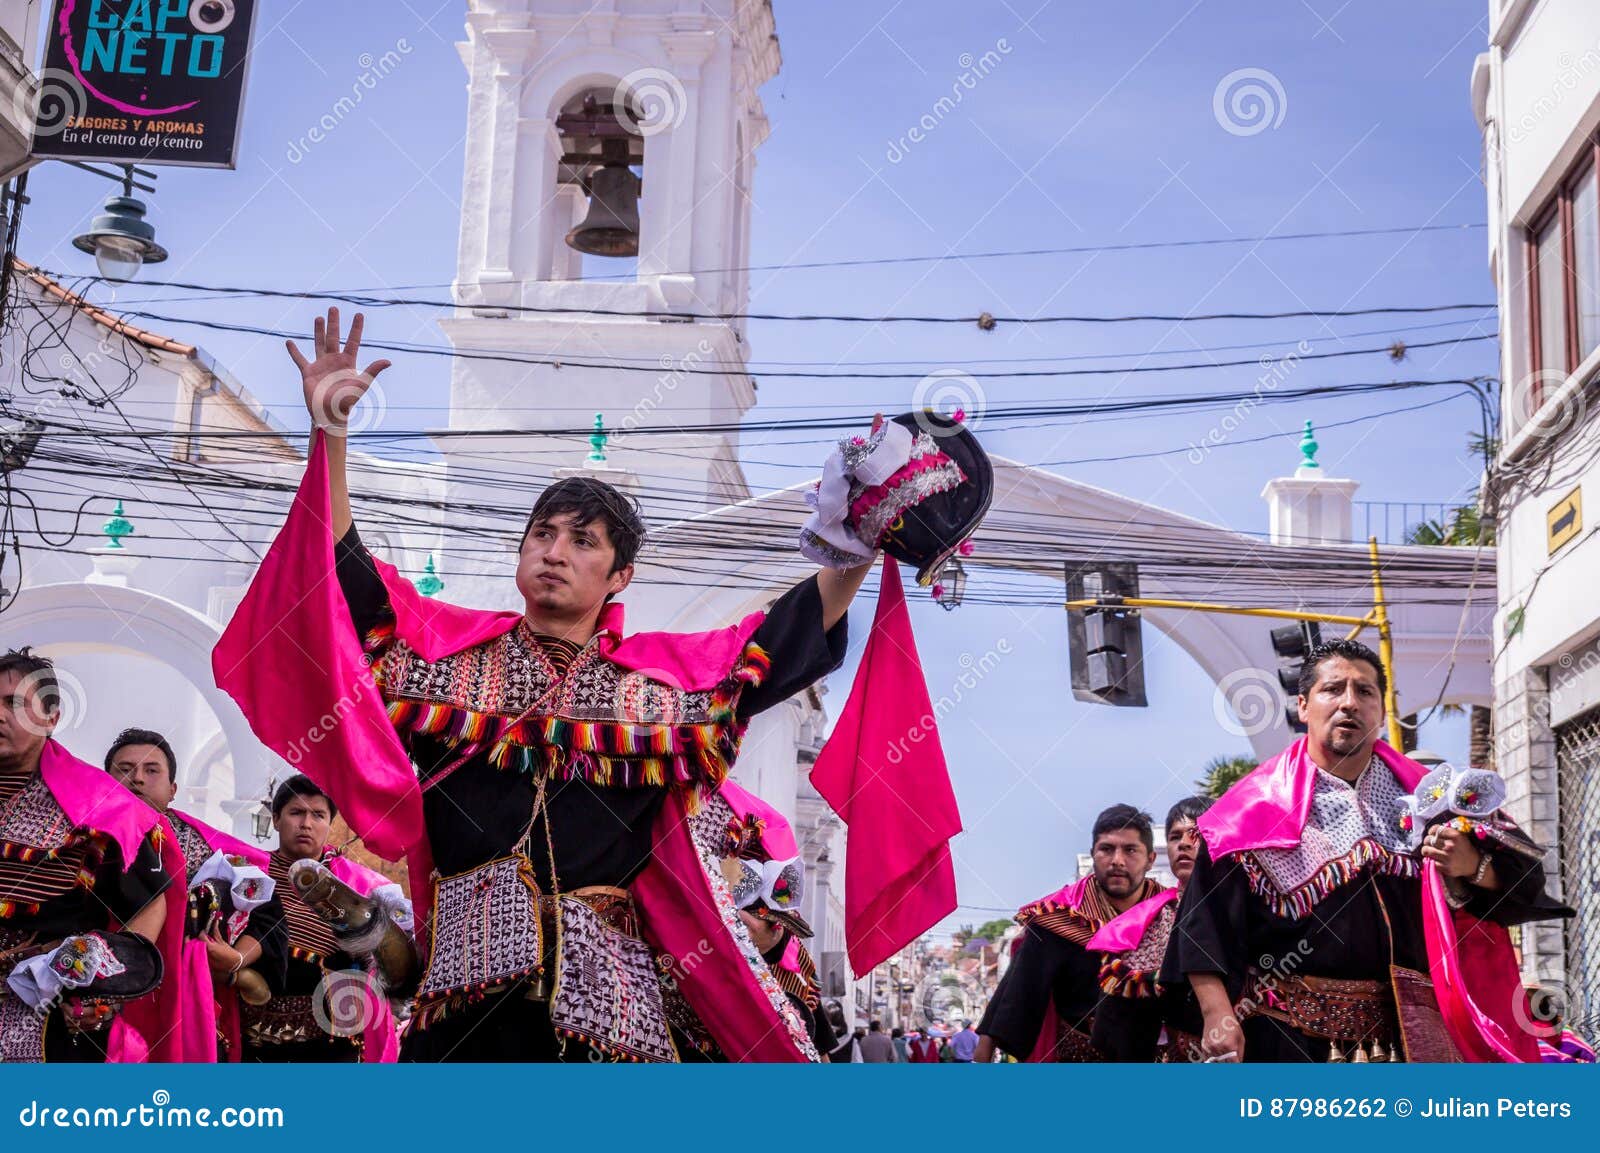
[1306, 908]
[1043, 1009]
[1136, 1007]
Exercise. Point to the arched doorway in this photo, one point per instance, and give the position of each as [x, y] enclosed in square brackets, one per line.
[129, 658]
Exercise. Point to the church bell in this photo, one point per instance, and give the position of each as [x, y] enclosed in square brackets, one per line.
[611, 227]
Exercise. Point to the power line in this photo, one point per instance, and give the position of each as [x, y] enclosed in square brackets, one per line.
[370, 301]
[1031, 412]
[1003, 254]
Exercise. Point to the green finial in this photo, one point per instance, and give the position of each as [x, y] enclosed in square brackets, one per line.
[597, 442]
[117, 527]
[429, 585]
[1308, 449]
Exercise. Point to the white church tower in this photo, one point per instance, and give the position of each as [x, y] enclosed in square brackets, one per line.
[579, 111]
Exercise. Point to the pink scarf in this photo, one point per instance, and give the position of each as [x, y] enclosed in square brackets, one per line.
[682, 919]
[884, 773]
[694, 662]
[209, 1009]
[1069, 896]
[92, 799]
[1471, 961]
[1124, 931]
[221, 842]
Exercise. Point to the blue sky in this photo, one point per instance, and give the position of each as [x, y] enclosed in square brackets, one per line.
[1096, 127]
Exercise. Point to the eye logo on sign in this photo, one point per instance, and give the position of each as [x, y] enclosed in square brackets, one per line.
[211, 15]
[162, 79]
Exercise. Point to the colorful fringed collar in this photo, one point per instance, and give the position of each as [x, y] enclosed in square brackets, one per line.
[593, 720]
[1296, 904]
[1077, 912]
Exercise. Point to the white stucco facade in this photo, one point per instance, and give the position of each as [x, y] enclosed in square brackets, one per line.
[1536, 95]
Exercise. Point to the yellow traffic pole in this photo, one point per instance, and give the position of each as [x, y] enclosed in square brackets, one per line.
[1391, 699]
[1207, 607]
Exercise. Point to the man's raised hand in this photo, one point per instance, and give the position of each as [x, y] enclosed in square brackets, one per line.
[330, 379]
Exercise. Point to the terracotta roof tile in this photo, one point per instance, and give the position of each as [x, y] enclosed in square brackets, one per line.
[100, 316]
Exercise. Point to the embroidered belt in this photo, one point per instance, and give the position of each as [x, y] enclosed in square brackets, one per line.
[286, 1020]
[1331, 1008]
[1180, 1046]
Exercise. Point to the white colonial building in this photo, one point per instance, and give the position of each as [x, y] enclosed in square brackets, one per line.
[1536, 94]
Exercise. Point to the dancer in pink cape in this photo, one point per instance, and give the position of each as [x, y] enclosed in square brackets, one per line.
[1326, 920]
[540, 770]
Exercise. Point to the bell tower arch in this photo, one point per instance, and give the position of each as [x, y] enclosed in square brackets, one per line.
[594, 120]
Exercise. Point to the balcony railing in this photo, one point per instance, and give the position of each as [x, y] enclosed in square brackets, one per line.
[1391, 521]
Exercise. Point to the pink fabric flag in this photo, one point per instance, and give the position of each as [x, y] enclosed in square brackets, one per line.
[883, 771]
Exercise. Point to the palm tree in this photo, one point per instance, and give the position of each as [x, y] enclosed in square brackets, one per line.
[1222, 772]
[1466, 526]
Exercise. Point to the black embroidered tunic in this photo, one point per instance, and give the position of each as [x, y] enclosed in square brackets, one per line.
[601, 800]
[1344, 920]
[74, 885]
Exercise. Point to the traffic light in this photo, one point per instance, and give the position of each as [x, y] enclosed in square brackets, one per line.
[1293, 644]
[1104, 649]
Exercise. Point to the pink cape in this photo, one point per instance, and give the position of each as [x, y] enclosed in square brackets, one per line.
[682, 919]
[883, 771]
[1472, 964]
[329, 721]
[1124, 931]
[91, 799]
[207, 1009]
